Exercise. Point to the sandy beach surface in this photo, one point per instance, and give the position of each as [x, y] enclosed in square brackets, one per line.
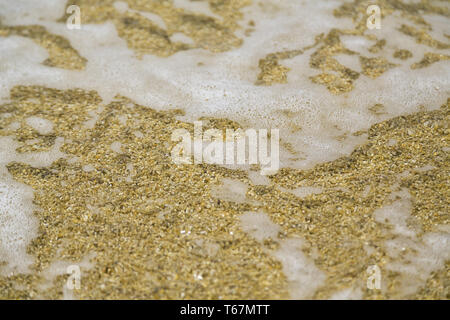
[355, 204]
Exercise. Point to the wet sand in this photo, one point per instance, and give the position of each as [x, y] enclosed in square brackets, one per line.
[87, 118]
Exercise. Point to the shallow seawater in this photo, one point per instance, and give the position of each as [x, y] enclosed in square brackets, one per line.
[357, 207]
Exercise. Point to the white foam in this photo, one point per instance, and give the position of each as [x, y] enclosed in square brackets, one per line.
[303, 192]
[116, 146]
[347, 294]
[43, 126]
[259, 226]
[224, 84]
[224, 87]
[257, 178]
[303, 276]
[121, 6]
[199, 7]
[88, 168]
[18, 226]
[424, 257]
[412, 256]
[60, 267]
[230, 190]
[397, 214]
[23, 12]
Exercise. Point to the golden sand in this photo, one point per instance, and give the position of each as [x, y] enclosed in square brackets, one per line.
[154, 227]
